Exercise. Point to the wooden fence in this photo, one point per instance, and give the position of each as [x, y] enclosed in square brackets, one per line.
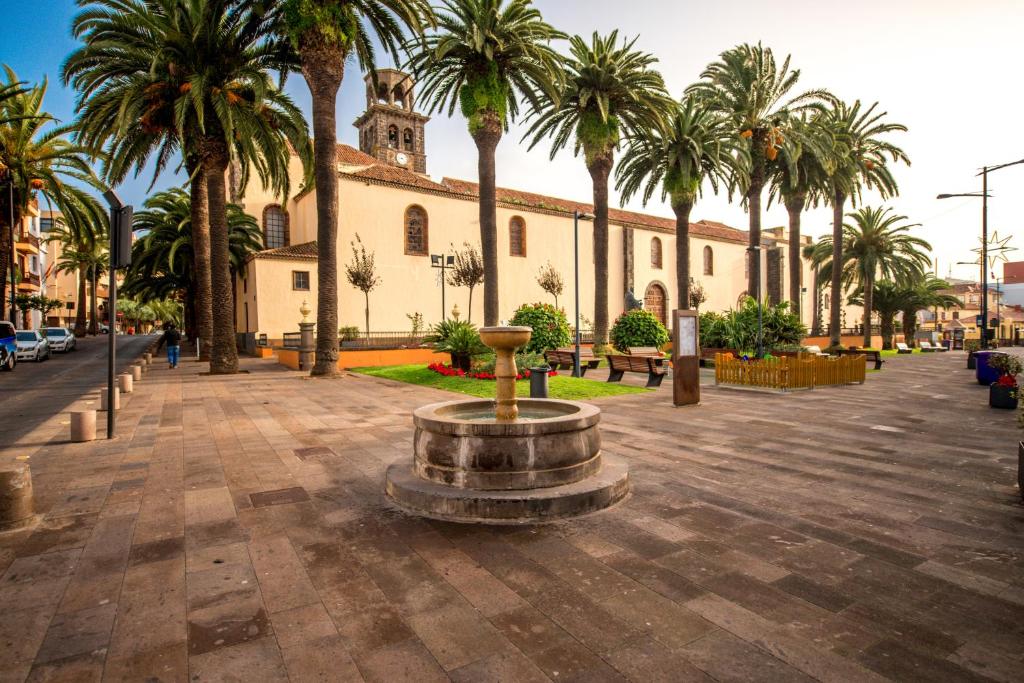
[805, 372]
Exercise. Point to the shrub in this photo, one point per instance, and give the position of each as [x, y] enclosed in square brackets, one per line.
[972, 345]
[440, 332]
[524, 361]
[737, 328]
[550, 327]
[349, 333]
[1006, 365]
[638, 328]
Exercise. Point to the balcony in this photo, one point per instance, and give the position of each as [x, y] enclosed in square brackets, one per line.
[27, 243]
[29, 283]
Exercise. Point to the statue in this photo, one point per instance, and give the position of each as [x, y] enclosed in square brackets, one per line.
[632, 303]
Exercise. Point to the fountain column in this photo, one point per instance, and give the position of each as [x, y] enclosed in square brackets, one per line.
[505, 341]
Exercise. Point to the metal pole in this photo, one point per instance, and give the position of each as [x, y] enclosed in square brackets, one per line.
[576, 269]
[444, 310]
[14, 248]
[111, 318]
[984, 257]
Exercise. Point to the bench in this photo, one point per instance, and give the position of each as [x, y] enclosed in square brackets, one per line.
[875, 356]
[903, 348]
[926, 347]
[650, 351]
[564, 359]
[619, 365]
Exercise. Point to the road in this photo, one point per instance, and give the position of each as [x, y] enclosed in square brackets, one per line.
[35, 392]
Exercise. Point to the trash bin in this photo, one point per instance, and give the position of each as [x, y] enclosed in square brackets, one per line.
[985, 373]
[948, 343]
[539, 381]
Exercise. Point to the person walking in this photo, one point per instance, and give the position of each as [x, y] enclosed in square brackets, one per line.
[172, 338]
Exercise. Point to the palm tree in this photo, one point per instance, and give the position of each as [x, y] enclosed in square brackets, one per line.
[163, 258]
[610, 92]
[861, 166]
[875, 246]
[324, 34]
[485, 55]
[213, 60]
[887, 300]
[39, 160]
[799, 175]
[811, 253]
[924, 292]
[749, 87]
[699, 144]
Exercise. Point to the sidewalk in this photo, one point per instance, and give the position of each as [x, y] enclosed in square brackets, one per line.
[236, 530]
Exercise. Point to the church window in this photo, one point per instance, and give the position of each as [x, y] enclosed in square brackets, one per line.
[655, 252]
[517, 237]
[275, 227]
[416, 231]
[393, 136]
[407, 143]
[709, 261]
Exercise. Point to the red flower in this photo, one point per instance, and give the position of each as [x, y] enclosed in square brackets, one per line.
[1007, 381]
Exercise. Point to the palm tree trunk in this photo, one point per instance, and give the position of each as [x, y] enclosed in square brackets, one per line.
[682, 211]
[366, 312]
[5, 264]
[200, 218]
[909, 327]
[795, 207]
[94, 305]
[816, 321]
[323, 65]
[224, 354]
[888, 329]
[80, 328]
[469, 311]
[838, 201]
[487, 137]
[600, 168]
[869, 301]
[757, 173]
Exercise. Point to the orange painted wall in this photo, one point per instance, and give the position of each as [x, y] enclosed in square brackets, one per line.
[370, 358]
[847, 340]
[288, 358]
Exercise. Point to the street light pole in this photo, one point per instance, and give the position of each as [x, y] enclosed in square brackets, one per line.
[443, 262]
[577, 215]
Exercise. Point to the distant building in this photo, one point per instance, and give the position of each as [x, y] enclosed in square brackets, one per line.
[1013, 283]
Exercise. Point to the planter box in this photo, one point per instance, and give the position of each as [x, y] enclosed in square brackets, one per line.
[1002, 397]
[972, 362]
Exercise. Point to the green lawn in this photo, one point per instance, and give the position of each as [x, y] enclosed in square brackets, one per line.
[562, 386]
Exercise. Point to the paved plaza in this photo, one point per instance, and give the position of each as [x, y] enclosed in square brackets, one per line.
[236, 530]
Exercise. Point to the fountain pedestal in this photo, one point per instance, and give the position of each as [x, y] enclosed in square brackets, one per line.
[507, 461]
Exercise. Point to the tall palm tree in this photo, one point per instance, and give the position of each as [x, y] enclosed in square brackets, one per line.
[163, 258]
[876, 245]
[924, 292]
[799, 176]
[862, 165]
[699, 144]
[209, 65]
[610, 92]
[887, 300]
[748, 86]
[324, 34]
[40, 161]
[485, 55]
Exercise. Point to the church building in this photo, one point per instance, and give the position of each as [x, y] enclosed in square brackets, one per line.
[403, 216]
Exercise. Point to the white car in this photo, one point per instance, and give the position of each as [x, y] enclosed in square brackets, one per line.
[60, 339]
[32, 346]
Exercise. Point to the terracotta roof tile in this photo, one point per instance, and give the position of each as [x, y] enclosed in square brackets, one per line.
[395, 174]
[301, 252]
[350, 156]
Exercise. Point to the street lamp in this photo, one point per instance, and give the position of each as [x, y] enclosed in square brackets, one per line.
[755, 252]
[577, 216]
[984, 237]
[14, 248]
[442, 262]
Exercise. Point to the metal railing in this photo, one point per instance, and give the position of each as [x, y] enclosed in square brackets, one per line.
[850, 331]
[291, 340]
[387, 340]
[30, 279]
[27, 237]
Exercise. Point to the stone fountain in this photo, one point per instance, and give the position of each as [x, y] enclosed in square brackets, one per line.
[507, 461]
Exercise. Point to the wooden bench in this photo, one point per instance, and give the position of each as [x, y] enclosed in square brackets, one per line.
[875, 356]
[619, 365]
[563, 359]
[647, 351]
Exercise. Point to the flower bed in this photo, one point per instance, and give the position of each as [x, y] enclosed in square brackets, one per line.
[449, 371]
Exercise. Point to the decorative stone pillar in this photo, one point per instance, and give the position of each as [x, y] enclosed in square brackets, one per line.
[307, 346]
[103, 399]
[136, 371]
[148, 357]
[16, 501]
[83, 426]
[124, 383]
[627, 261]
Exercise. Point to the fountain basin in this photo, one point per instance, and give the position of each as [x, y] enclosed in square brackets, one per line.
[553, 443]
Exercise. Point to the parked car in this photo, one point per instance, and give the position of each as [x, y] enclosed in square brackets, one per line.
[32, 346]
[60, 338]
[8, 346]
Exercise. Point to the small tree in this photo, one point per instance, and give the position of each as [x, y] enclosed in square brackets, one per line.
[468, 271]
[550, 280]
[697, 294]
[362, 274]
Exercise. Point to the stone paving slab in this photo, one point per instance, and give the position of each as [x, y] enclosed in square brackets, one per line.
[237, 530]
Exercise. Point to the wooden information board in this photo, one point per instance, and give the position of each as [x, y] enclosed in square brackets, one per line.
[685, 358]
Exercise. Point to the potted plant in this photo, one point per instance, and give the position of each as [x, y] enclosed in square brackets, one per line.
[1003, 392]
[972, 345]
[462, 344]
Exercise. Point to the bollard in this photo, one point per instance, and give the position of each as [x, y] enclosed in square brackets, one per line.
[137, 373]
[83, 426]
[103, 399]
[124, 382]
[16, 503]
[148, 357]
[539, 381]
[142, 366]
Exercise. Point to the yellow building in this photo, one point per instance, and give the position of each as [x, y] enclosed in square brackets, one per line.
[403, 216]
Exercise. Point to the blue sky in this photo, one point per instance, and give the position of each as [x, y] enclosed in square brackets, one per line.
[938, 66]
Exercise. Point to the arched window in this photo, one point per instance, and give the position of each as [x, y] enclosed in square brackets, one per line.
[407, 140]
[517, 237]
[393, 136]
[709, 261]
[655, 252]
[275, 227]
[416, 231]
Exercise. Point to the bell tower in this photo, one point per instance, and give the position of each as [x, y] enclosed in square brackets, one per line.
[389, 129]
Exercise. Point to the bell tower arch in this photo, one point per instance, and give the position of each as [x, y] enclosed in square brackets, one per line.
[390, 129]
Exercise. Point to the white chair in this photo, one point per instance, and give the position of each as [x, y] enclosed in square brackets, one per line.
[926, 347]
[903, 348]
[814, 350]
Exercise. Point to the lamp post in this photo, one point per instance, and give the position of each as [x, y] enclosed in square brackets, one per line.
[577, 216]
[984, 237]
[442, 262]
[14, 247]
[755, 252]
